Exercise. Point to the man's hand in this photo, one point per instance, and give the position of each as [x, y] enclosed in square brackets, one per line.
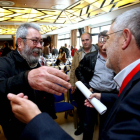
[49, 79]
[23, 109]
[91, 89]
[21, 95]
[96, 95]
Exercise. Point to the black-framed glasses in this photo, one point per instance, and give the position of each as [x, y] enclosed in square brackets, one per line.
[36, 41]
[107, 35]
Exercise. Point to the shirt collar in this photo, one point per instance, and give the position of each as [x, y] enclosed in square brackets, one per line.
[100, 56]
[91, 49]
[123, 73]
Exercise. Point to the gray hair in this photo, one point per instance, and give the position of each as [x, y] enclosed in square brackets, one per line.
[131, 20]
[103, 33]
[22, 30]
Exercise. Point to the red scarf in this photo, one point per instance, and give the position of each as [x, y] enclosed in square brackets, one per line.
[129, 77]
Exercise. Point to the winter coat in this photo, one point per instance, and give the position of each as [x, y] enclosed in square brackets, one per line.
[13, 80]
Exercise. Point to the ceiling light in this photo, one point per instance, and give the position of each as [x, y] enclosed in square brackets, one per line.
[6, 3]
[59, 6]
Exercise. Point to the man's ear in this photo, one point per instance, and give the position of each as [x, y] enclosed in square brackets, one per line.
[127, 38]
[19, 42]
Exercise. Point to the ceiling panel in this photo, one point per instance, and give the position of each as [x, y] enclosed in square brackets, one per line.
[40, 11]
[41, 3]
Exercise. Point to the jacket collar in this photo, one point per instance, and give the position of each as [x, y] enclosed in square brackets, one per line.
[18, 57]
[123, 73]
[93, 48]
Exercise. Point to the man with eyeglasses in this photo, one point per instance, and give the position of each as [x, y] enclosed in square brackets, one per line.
[20, 71]
[96, 77]
[123, 57]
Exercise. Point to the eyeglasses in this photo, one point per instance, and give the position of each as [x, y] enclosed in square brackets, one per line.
[107, 35]
[35, 41]
[103, 39]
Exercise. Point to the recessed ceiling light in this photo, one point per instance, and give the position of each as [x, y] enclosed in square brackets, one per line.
[59, 6]
[6, 3]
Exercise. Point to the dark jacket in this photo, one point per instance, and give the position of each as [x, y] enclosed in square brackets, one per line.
[5, 51]
[85, 70]
[13, 80]
[42, 127]
[123, 121]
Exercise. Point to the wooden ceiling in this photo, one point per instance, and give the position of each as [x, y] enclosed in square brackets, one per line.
[43, 4]
[41, 12]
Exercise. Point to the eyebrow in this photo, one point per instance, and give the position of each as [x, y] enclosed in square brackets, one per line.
[37, 38]
[85, 39]
[114, 32]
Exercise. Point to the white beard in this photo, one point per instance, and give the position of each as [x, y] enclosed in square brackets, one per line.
[26, 53]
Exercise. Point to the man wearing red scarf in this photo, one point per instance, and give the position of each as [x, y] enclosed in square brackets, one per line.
[123, 56]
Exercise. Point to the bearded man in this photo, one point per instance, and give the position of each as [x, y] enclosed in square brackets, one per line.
[20, 71]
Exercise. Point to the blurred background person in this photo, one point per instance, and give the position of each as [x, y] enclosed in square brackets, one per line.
[66, 51]
[6, 49]
[46, 51]
[61, 57]
[72, 47]
[54, 51]
[69, 48]
[73, 51]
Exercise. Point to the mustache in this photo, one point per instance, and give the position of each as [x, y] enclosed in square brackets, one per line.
[37, 50]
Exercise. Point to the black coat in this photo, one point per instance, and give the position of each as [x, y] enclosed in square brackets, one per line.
[5, 51]
[85, 70]
[123, 121]
[12, 80]
[42, 127]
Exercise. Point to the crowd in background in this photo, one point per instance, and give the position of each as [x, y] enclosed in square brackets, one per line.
[6, 49]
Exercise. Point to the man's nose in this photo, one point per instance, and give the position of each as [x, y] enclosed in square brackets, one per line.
[104, 47]
[39, 45]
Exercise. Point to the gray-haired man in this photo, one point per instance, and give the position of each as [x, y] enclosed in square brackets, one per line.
[20, 71]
